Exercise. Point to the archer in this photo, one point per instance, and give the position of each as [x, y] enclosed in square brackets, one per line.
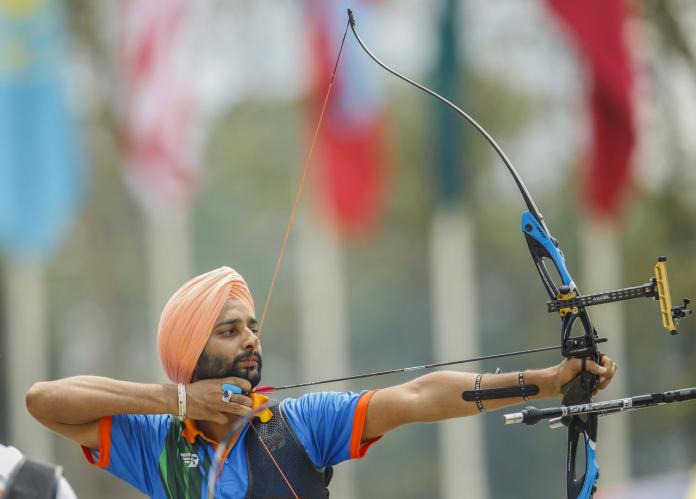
[162, 438]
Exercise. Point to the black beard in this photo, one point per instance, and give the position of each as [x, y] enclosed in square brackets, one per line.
[219, 366]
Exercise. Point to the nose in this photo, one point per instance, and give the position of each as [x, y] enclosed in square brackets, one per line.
[251, 340]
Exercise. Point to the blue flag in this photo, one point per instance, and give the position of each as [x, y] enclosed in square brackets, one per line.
[41, 170]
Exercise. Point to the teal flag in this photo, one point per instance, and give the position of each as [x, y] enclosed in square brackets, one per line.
[453, 177]
[41, 171]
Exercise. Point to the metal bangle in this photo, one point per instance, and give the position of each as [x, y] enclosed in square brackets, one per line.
[181, 389]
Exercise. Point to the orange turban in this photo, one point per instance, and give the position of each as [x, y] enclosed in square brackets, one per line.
[189, 316]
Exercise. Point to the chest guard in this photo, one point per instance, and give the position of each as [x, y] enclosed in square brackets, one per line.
[307, 480]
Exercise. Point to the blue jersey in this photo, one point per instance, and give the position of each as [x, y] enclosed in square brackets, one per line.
[158, 454]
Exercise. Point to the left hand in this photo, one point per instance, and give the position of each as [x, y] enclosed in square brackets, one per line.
[570, 368]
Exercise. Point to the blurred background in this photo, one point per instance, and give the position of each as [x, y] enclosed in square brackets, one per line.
[146, 141]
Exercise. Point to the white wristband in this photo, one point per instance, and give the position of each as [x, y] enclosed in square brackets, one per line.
[182, 401]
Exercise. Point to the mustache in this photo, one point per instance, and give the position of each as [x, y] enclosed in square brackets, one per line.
[248, 356]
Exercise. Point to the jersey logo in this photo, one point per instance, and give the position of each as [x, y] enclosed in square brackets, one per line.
[190, 459]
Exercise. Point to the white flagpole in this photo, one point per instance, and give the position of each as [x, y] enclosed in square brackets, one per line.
[27, 355]
[455, 311]
[168, 253]
[601, 265]
[321, 291]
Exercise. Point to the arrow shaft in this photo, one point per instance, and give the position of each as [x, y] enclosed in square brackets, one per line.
[412, 368]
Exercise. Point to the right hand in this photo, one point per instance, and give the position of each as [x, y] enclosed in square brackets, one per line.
[204, 400]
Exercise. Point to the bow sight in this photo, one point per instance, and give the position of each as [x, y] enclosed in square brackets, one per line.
[568, 301]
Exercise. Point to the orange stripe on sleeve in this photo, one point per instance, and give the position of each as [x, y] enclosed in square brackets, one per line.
[357, 448]
[104, 445]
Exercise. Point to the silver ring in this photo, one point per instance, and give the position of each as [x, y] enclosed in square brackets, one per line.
[226, 396]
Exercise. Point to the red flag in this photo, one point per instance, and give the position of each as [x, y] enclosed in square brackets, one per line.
[597, 28]
[162, 164]
[351, 150]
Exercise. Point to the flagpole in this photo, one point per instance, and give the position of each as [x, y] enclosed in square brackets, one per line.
[168, 254]
[323, 318]
[27, 353]
[601, 264]
[453, 269]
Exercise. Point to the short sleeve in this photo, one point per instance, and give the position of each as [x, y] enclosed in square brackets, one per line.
[329, 425]
[129, 447]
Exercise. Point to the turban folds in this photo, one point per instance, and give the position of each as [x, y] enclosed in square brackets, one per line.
[189, 316]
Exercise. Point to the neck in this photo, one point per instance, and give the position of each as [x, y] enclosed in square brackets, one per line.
[217, 431]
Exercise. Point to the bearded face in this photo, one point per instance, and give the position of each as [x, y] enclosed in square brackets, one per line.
[214, 365]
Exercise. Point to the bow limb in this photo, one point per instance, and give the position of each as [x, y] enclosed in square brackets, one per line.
[542, 246]
[528, 200]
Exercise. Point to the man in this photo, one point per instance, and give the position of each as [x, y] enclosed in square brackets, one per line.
[162, 438]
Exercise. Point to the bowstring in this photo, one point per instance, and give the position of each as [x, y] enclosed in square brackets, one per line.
[286, 236]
